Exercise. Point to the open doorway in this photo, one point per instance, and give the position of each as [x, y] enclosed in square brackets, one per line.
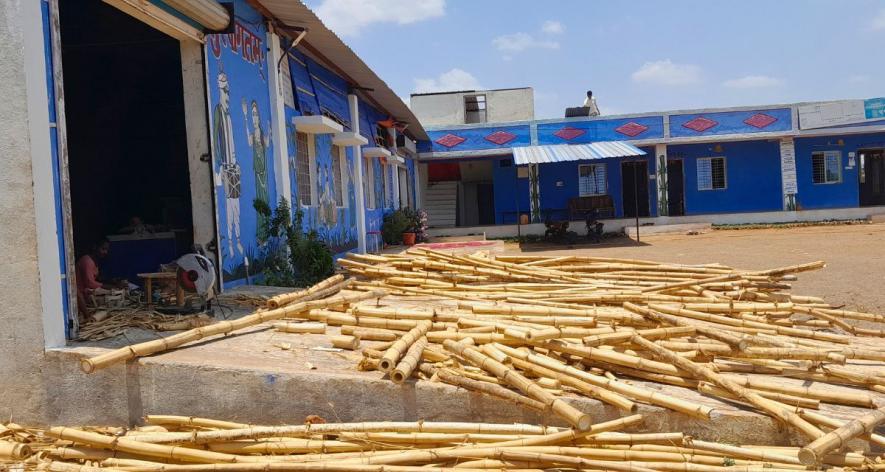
[634, 188]
[126, 139]
[872, 177]
[675, 188]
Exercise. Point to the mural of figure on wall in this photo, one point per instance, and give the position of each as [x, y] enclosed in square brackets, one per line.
[325, 184]
[228, 175]
[259, 141]
[351, 193]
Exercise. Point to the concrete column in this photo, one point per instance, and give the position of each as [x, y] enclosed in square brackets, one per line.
[535, 193]
[358, 173]
[30, 283]
[199, 164]
[789, 187]
[394, 169]
[276, 86]
[662, 180]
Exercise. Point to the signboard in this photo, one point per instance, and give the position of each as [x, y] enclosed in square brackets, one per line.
[843, 112]
[874, 108]
[788, 173]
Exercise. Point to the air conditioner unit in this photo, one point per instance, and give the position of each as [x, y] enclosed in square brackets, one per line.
[404, 144]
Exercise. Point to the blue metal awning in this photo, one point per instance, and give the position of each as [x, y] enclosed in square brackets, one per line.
[574, 152]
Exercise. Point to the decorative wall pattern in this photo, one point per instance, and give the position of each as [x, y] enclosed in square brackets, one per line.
[731, 122]
[477, 139]
[581, 132]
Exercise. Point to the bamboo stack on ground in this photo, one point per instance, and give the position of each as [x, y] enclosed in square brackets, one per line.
[188, 444]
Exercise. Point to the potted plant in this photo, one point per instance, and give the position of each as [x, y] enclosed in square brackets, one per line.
[415, 231]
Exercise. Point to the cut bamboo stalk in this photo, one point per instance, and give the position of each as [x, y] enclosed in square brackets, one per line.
[14, 451]
[399, 348]
[488, 388]
[286, 298]
[225, 327]
[301, 328]
[837, 438]
[560, 408]
[769, 406]
[410, 360]
[350, 343]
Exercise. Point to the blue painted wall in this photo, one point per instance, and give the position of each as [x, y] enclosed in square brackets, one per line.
[837, 195]
[753, 177]
[475, 139]
[621, 129]
[239, 123]
[732, 122]
[511, 193]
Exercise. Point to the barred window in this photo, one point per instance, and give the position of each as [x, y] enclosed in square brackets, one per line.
[337, 180]
[826, 167]
[711, 173]
[303, 174]
[383, 198]
[369, 182]
[592, 179]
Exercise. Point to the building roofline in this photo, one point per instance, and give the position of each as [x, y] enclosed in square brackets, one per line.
[452, 92]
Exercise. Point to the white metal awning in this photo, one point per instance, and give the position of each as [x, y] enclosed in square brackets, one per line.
[574, 152]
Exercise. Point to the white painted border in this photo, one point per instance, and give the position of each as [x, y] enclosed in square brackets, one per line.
[48, 260]
[278, 119]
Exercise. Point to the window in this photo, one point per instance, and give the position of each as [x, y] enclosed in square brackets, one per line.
[378, 183]
[303, 169]
[592, 180]
[711, 173]
[505, 163]
[337, 172]
[475, 109]
[384, 197]
[826, 167]
[404, 200]
[369, 183]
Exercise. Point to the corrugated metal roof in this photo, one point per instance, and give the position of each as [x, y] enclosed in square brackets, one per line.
[574, 152]
[321, 39]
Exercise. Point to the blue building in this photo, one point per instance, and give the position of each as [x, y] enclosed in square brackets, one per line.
[742, 164]
[170, 124]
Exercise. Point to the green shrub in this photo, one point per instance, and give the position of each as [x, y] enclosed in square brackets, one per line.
[309, 258]
[394, 225]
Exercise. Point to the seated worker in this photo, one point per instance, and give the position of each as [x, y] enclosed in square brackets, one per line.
[136, 226]
[87, 274]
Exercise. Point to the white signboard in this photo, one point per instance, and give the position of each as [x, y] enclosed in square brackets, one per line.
[822, 115]
[788, 173]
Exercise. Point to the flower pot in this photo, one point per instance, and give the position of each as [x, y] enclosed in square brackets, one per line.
[409, 239]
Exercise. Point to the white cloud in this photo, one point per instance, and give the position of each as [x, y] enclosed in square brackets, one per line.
[878, 23]
[517, 42]
[453, 80]
[753, 81]
[666, 72]
[553, 27]
[349, 17]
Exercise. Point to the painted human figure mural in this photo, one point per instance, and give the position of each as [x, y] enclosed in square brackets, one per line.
[228, 175]
[259, 141]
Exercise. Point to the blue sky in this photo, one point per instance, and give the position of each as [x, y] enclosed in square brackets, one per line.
[637, 55]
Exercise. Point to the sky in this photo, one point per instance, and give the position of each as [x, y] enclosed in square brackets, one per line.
[636, 56]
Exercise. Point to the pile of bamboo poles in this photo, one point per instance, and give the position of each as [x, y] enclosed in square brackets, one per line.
[189, 444]
[536, 331]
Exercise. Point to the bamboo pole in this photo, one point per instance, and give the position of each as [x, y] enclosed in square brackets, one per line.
[399, 348]
[837, 438]
[410, 360]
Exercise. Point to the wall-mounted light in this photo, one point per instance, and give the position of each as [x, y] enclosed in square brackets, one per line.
[717, 148]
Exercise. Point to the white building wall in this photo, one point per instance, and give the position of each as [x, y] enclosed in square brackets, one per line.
[444, 109]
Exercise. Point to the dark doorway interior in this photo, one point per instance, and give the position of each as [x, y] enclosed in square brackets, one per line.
[634, 187]
[872, 177]
[126, 132]
[675, 188]
[485, 196]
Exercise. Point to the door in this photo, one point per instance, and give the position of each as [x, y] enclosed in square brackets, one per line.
[634, 188]
[675, 188]
[872, 177]
[485, 196]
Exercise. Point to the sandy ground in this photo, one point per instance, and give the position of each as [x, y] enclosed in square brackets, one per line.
[855, 256]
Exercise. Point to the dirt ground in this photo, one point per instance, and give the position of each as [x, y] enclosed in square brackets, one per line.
[855, 256]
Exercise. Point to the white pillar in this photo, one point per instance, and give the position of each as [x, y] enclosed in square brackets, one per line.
[394, 169]
[358, 172]
[662, 180]
[276, 85]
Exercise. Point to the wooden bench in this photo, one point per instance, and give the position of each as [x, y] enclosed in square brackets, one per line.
[578, 207]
